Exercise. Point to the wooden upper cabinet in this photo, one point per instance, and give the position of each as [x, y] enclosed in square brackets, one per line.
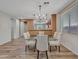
[53, 23]
[28, 23]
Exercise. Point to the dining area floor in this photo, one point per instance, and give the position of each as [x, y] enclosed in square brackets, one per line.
[16, 50]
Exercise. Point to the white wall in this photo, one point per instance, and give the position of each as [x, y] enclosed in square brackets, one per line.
[16, 29]
[22, 28]
[58, 24]
[5, 28]
[69, 40]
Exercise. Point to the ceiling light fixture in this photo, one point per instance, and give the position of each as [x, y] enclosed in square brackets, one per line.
[41, 17]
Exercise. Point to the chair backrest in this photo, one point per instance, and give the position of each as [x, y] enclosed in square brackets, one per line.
[59, 34]
[42, 42]
[27, 35]
[55, 35]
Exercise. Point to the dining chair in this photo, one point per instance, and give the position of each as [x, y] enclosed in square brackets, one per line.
[42, 44]
[55, 41]
[29, 41]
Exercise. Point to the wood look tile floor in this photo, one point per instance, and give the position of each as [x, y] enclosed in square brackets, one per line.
[16, 50]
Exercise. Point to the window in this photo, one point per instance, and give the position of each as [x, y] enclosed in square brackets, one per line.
[70, 21]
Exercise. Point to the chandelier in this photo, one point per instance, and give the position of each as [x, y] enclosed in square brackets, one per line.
[42, 18]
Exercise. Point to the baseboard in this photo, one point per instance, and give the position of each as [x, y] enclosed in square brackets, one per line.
[8, 41]
[70, 49]
[4, 43]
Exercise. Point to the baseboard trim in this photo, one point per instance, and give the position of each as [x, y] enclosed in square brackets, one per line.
[9, 41]
[70, 49]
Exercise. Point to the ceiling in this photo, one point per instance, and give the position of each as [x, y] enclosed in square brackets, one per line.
[26, 8]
